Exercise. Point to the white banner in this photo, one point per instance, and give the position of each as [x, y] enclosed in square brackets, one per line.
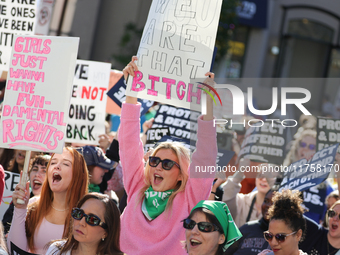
[88, 103]
[16, 17]
[176, 47]
[38, 92]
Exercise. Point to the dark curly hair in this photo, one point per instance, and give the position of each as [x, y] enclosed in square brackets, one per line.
[287, 206]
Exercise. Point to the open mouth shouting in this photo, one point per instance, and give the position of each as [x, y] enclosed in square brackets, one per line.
[56, 178]
[36, 184]
[157, 179]
[194, 242]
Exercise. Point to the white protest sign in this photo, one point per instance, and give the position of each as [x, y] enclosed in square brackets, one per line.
[88, 103]
[11, 181]
[38, 92]
[176, 47]
[16, 17]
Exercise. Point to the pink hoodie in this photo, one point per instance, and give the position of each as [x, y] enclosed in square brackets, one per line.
[164, 234]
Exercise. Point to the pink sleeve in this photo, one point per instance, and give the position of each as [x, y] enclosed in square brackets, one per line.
[131, 148]
[199, 184]
[17, 232]
[2, 182]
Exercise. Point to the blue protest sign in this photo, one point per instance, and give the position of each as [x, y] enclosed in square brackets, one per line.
[117, 94]
[303, 174]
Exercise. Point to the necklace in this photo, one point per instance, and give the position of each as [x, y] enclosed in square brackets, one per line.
[328, 249]
[59, 209]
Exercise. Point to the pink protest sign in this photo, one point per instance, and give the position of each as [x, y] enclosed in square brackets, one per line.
[38, 92]
[176, 48]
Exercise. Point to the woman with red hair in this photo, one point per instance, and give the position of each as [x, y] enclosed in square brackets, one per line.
[36, 224]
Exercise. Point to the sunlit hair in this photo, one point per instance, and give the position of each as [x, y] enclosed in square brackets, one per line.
[287, 206]
[38, 210]
[292, 154]
[110, 245]
[183, 156]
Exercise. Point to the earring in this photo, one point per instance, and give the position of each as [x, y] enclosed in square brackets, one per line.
[103, 239]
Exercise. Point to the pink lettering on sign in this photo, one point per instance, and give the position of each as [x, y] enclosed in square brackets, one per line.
[32, 45]
[178, 89]
[152, 91]
[21, 85]
[168, 82]
[28, 61]
[191, 94]
[33, 132]
[136, 81]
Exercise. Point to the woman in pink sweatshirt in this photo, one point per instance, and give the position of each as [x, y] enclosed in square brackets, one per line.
[163, 194]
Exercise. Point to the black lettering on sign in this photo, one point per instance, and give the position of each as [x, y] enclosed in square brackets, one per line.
[82, 112]
[84, 132]
[82, 72]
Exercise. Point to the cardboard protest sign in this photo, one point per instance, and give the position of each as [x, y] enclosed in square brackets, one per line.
[16, 17]
[328, 132]
[117, 94]
[303, 174]
[15, 250]
[264, 142]
[11, 181]
[88, 102]
[38, 93]
[176, 47]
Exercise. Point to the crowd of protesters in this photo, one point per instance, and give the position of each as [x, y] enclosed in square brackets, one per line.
[116, 198]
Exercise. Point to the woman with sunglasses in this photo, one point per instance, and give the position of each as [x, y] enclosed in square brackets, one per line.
[210, 229]
[95, 228]
[48, 218]
[162, 194]
[286, 225]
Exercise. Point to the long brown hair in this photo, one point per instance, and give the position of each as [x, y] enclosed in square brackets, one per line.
[183, 156]
[39, 209]
[110, 245]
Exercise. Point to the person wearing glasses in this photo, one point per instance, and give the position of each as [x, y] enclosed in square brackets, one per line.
[210, 229]
[287, 225]
[95, 228]
[162, 194]
[48, 218]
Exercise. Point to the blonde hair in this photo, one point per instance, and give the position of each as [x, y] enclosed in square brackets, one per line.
[183, 155]
[291, 155]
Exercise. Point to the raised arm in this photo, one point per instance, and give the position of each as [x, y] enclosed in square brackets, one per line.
[130, 146]
[204, 157]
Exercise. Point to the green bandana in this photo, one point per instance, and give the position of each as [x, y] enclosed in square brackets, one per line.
[221, 212]
[154, 202]
[94, 188]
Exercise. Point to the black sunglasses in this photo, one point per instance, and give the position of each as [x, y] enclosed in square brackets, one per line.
[279, 237]
[92, 220]
[202, 226]
[167, 164]
[310, 146]
[332, 213]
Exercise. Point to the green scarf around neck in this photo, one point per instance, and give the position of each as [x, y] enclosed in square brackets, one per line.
[154, 202]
